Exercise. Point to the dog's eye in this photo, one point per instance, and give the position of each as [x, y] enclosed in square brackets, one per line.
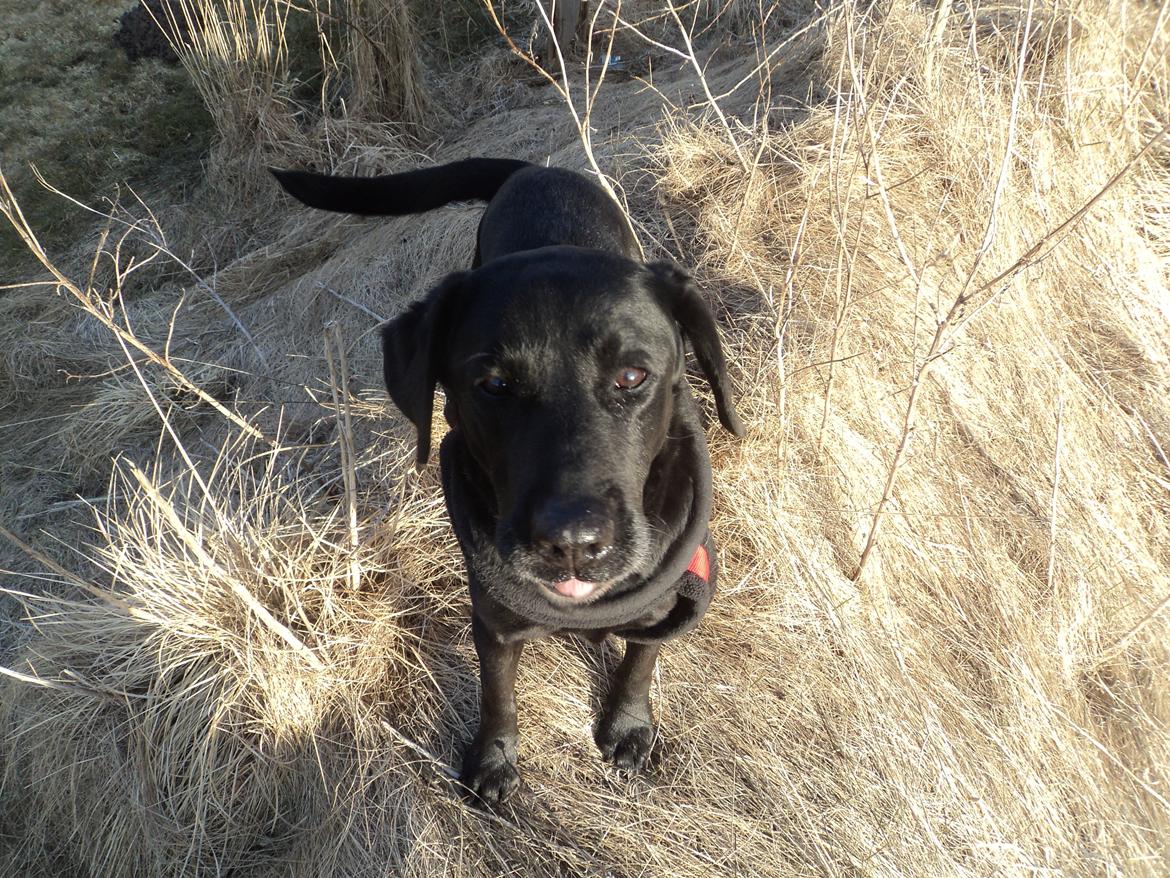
[494, 385]
[629, 378]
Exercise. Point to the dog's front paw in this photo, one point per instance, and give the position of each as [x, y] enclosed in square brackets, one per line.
[489, 771]
[625, 742]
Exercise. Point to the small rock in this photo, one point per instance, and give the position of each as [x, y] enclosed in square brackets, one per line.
[142, 35]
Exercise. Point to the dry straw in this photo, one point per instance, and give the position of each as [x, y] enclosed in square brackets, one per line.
[937, 241]
[247, 59]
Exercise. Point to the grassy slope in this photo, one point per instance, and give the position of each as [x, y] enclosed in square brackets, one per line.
[990, 701]
[89, 120]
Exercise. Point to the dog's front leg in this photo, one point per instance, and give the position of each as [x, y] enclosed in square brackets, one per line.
[626, 731]
[489, 766]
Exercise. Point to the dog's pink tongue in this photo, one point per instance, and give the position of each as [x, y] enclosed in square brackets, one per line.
[574, 588]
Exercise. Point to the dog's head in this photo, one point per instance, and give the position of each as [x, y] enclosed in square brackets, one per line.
[562, 369]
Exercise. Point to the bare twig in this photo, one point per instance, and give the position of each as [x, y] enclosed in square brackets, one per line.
[340, 389]
[72, 578]
[564, 89]
[344, 298]
[158, 242]
[43, 681]
[1055, 489]
[956, 318]
[714, 104]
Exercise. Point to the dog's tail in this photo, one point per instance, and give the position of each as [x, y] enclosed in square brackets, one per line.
[399, 194]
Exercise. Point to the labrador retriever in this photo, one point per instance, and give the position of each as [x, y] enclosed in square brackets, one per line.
[575, 470]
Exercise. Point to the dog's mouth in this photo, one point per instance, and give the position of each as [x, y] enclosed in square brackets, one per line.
[576, 589]
[568, 586]
[572, 582]
[568, 589]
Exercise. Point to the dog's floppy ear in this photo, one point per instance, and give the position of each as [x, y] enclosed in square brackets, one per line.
[412, 350]
[680, 298]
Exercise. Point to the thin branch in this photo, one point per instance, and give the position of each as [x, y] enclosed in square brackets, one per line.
[714, 104]
[72, 578]
[340, 390]
[956, 319]
[565, 91]
[1055, 489]
[349, 301]
[158, 242]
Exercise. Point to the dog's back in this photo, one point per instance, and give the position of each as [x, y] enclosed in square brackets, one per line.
[543, 207]
[529, 206]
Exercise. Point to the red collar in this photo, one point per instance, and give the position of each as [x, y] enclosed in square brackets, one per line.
[701, 564]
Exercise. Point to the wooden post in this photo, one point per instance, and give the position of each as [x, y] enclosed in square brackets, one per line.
[564, 15]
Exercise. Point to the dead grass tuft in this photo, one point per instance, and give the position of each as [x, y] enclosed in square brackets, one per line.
[218, 720]
[255, 63]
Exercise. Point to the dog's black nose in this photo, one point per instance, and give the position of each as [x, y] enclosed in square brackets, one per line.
[572, 535]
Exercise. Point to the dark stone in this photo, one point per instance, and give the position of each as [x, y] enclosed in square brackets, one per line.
[144, 36]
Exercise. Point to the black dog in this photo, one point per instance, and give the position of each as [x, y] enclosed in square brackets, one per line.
[575, 471]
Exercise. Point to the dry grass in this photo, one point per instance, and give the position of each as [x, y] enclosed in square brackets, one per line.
[72, 104]
[922, 340]
[285, 83]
